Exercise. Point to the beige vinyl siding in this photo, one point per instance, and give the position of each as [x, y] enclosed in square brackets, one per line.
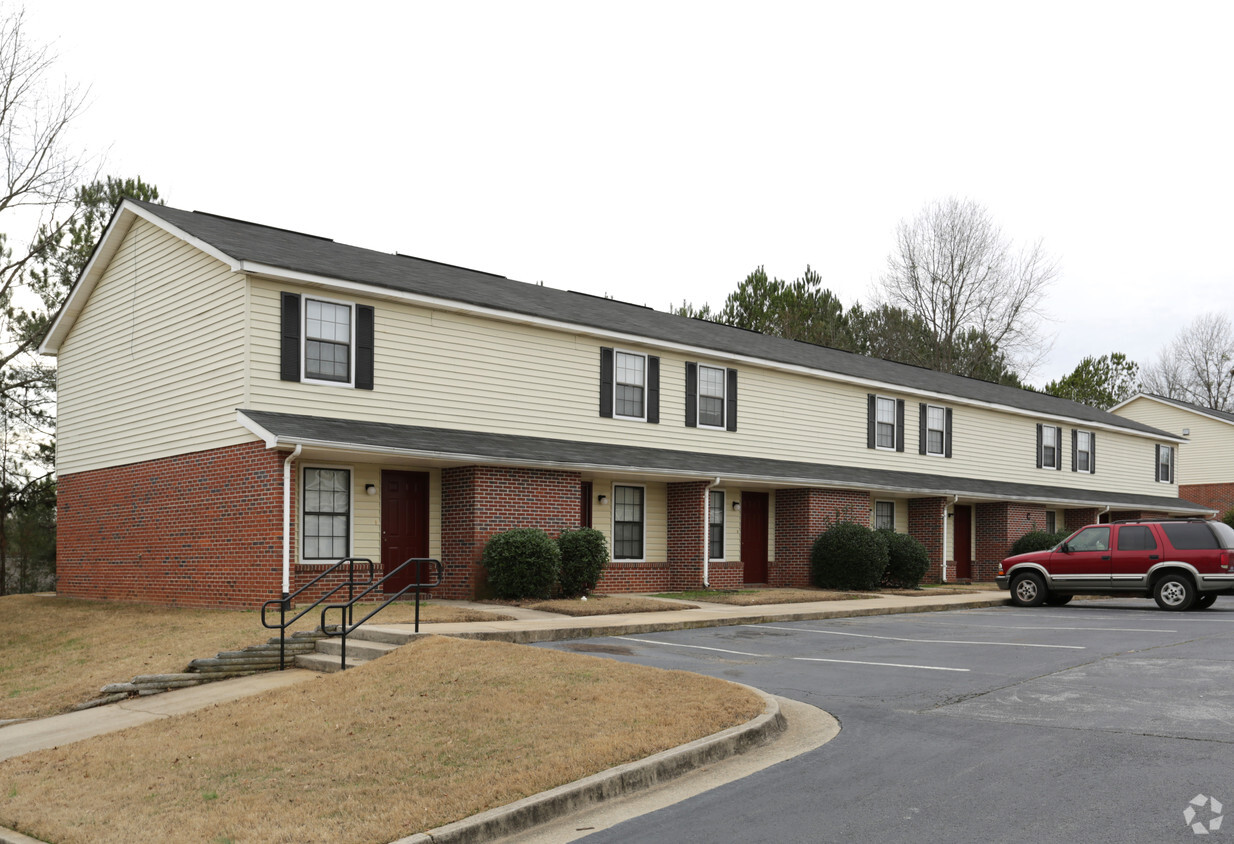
[450, 370]
[901, 511]
[154, 365]
[1208, 455]
[655, 516]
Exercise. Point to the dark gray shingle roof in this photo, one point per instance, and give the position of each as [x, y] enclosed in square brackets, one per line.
[475, 445]
[319, 256]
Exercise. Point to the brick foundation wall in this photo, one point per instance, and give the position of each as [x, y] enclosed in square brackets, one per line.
[623, 576]
[998, 526]
[1218, 496]
[926, 517]
[196, 530]
[1076, 519]
[480, 501]
[801, 515]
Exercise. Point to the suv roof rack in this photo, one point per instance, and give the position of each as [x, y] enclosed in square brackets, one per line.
[1165, 519]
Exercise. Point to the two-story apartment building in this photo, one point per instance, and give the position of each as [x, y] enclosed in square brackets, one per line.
[237, 400]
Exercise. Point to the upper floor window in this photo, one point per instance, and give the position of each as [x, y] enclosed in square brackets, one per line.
[1083, 451]
[1048, 446]
[327, 514]
[715, 525]
[884, 515]
[935, 430]
[327, 341]
[1165, 464]
[629, 385]
[884, 422]
[711, 397]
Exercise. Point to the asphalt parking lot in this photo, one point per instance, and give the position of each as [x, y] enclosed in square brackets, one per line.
[1099, 721]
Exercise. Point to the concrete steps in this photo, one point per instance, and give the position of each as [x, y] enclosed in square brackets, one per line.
[363, 646]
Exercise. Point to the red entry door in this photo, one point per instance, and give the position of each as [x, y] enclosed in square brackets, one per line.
[404, 525]
[754, 536]
[963, 549]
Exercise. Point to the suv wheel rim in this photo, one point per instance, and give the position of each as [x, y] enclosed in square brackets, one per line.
[1026, 589]
[1173, 593]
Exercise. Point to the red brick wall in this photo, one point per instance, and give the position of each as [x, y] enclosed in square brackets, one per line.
[197, 530]
[1218, 496]
[480, 501]
[998, 526]
[624, 576]
[801, 515]
[1075, 519]
[926, 518]
[686, 534]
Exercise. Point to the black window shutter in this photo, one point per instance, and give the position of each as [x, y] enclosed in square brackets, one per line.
[1157, 465]
[869, 420]
[947, 435]
[899, 424]
[691, 395]
[364, 347]
[606, 382]
[653, 389]
[1092, 452]
[1058, 449]
[1041, 446]
[731, 420]
[1075, 454]
[921, 429]
[289, 367]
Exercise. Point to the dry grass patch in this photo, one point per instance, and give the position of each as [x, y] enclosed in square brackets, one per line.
[400, 745]
[57, 652]
[757, 597]
[606, 605]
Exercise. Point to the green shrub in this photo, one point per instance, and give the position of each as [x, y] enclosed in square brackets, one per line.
[522, 563]
[1037, 540]
[1228, 518]
[849, 556]
[584, 554]
[907, 560]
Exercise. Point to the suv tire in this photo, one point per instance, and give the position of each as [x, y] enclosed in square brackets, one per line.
[1204, 601]
[1028, 590]
[1174, 592]
[1057, 600]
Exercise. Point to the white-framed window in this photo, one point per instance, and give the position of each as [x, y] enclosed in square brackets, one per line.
[710, 397]
[1051, 521]
[326, 513]
[715, 525]
[936, 430]
[630, 385]
[328, 341]
[1084, 451]
[885, 423]
[629, 522]
[1049, 446]
[1165, 463]
[884, 515]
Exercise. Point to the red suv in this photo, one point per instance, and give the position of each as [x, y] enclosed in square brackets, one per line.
[1182, 563]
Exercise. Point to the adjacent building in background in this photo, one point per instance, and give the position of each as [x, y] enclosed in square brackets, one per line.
[418, 408]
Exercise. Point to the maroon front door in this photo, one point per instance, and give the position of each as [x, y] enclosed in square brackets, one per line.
[404, 525]
[754, 536]
[963, 542]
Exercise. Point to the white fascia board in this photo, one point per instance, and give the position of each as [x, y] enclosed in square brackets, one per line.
[121, 221]
[273, 441]
[615, 337]
[1198, 411]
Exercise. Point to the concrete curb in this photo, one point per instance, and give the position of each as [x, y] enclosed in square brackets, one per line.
[8, 836]
[559, 634]
[607, 785]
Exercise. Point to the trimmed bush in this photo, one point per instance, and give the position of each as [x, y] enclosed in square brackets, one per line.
[522, 563]
[849, 556]
[1228, 518]
[584, 554]
[1037, 540]
[907, 560]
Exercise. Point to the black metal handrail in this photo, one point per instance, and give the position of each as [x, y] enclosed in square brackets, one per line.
[344, 628]
[284, 603]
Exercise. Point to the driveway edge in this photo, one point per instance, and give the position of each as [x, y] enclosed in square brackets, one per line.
[606, 785]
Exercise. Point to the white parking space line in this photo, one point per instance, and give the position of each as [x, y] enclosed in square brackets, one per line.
[794, 658]
[1011, 627]
[918, 641]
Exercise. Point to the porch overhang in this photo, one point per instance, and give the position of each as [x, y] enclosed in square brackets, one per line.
[445, 446]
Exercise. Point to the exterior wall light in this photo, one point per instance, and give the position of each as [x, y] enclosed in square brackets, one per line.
[370, 489]
[736, 506]
[602, 498]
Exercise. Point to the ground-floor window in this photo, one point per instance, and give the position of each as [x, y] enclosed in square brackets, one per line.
[1051, 522]
[628, 522]
[327, 513]
[884, 515]
[715, 527]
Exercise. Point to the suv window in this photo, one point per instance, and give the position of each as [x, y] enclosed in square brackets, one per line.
[1136, 538]
[1190, 536]
[1091, 539]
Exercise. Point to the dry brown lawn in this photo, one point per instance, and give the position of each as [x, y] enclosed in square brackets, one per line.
[397, 746]
[57, 652]
[606, 605]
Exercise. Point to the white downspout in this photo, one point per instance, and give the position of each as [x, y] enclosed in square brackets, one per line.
[1103, 512]
[707, 532]
[287, 521]
[954, 500]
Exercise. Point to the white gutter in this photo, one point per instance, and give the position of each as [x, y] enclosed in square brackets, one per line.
[287, 521]
[943, 552]
[707, 532]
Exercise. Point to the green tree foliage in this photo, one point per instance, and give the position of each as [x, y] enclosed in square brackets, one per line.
[1099, 382]
[584, 554]
[522, 563]
[849, 556]
[31, 530]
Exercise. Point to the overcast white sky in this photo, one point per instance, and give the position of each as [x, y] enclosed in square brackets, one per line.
[660, 151]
